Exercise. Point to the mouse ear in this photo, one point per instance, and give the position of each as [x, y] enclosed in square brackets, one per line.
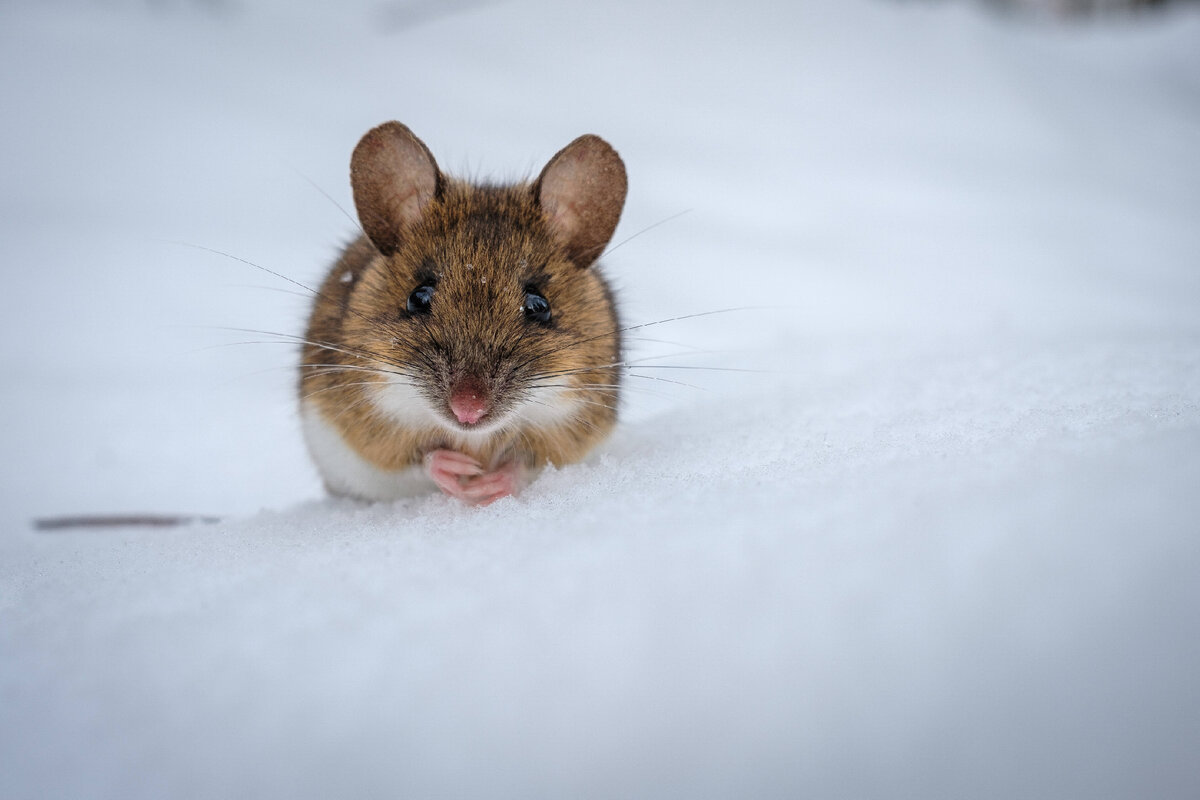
[394, 177]
[582, 192]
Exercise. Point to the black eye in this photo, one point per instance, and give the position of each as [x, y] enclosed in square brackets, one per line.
[536, 308]
[419, 300]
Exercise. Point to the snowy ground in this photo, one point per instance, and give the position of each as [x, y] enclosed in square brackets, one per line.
[946, 547]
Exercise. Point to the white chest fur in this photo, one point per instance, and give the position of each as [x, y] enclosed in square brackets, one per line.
[347, 473]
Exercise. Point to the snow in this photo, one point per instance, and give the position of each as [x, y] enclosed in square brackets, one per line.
[944, 544]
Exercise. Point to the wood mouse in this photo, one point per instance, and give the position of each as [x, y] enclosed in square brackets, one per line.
[466, 339]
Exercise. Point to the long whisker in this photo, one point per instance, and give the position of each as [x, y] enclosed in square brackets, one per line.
[639, 326]
[629, 239]
[277, 289]
[337, 386]
[630, 367]
[295, 339]
[696, 367]
[593, 387]
[693, 352]
[310, 290]
[398, 367]
[587, 387]
[365, 399]
[333, 369]
[660, 341]
[653, 378]
[584, 401]
[575, 419]
[667, 380]
[248, 263]
[329, 369]
[329, 197]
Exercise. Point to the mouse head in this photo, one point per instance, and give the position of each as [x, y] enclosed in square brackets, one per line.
[484, 302]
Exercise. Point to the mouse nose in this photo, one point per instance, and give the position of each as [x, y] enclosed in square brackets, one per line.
[469, 401]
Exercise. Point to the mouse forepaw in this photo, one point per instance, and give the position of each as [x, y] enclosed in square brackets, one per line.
[461, 476]
[446, 467]
[507, 479]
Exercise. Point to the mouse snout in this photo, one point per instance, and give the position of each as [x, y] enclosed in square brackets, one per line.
[469, 400]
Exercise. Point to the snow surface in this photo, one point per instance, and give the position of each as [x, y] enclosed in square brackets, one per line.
[945, 547]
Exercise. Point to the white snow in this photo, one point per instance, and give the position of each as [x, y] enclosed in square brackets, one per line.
[945, 547]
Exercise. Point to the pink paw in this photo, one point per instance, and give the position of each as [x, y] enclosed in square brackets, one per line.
[461, 476]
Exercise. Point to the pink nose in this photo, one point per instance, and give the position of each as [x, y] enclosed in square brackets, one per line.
[468, 401]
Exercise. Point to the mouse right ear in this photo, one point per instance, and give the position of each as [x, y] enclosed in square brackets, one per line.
[582, 192]
[394, 177]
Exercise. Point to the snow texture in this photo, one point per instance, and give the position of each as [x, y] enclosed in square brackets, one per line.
[944, 545]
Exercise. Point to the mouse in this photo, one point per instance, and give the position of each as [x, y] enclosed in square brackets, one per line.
[467, 339]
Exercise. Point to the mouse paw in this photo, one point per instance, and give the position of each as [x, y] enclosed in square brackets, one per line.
[507, 479]
[461, 476]
[448, 469]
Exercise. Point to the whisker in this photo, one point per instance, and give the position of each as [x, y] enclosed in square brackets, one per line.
[635, 375]
[337, 386]
[575, 418]
[592, 387]
[638, 326]
[629, 239]
[667, 380]
[310, 290]
[695, 367]
[611, 388]
[324, 369]
[366, 398]
[628, 368]
[330, 369]
[329, 197]
[587, 387]
[660, 341]
[693, 352]
[257, 287]
[291, 338]
[597, 403]
[320, 345]
[248, 263]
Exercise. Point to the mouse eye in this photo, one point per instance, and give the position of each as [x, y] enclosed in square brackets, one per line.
[420, 299]
[536, 308]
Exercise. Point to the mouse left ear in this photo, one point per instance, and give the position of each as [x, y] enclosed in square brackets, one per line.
[582, 191]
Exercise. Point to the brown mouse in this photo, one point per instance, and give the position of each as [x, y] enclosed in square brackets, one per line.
[467, 339]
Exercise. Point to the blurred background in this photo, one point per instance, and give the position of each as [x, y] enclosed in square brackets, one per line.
[1081, 8]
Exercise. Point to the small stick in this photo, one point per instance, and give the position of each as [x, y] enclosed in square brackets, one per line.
[121, 521]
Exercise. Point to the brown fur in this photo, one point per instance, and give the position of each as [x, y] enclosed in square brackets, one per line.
[483, 246]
